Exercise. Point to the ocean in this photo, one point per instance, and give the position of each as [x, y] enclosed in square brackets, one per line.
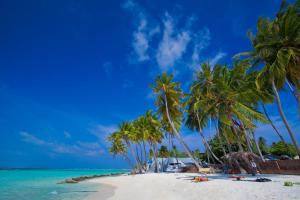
[42, 184]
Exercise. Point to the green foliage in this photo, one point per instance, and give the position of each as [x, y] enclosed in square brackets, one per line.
[198, 155]
[168, 92]
[176, 153]
[288, 184]
[227, 96]
[279, 149]
[276, 46]
[216, 146]
[262, 143]
[150, 153]
[163, 152]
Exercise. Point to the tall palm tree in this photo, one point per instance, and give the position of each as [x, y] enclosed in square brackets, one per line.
[195, 123]
[227, 95]
[169, 105]
[126, 131]
[276, 46]
[141, 130]
[118, 147]
[153, 134]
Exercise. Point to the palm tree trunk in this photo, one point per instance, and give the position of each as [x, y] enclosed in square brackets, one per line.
[238, 138]
[219, 137]
[137, 154]
[246, 137]
[248, 142]
[227, 142]
[156, 155]
[205, 143]
[274, 127]
[142, 156]
[145, 152]
[296, 94]
[141, 153]
[170, 150]
[185, 146]
[155, 158]
[272, 124]
[284, 117]
[298, 100]
[134, 156]
[257, 147]
[128, 160]
[175, 152]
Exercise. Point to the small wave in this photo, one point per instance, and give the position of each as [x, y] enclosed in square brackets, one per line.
[53, 192]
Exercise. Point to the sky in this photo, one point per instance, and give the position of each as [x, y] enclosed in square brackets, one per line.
[72, 70]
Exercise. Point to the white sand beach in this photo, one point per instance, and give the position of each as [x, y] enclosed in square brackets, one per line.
[179, 186]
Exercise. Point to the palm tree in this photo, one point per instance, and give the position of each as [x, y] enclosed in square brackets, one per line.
[195, 123]
[126, 131]
[227, 95]
[118, 147]
[169, 105]
[141, 130]
[276, 46]
[153, 134]
[257, 146]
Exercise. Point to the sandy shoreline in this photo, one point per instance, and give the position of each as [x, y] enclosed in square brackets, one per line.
[179, 186]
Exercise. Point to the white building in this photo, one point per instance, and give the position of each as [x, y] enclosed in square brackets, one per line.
[169, 164]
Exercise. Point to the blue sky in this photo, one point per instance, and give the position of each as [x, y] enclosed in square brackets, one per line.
[71, 70]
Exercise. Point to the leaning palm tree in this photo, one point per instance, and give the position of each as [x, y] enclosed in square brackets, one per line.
[141, 130]
[195, 123]
[228, 96]
[154, 134]
[126, 131]
[118, 147]
[277, 48]
[169, 105]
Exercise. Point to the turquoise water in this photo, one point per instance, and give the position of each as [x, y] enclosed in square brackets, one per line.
[42, 184]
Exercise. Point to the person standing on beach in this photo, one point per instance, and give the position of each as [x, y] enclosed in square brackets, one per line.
[254, 167]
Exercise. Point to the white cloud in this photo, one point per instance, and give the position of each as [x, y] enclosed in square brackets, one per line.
[27, 137]
[170, 46]
[141, 42]
[213, 61]
[173, 44]
[143, 34]
[201, 41]
[67, 135]
[102, 131]
[79, 148]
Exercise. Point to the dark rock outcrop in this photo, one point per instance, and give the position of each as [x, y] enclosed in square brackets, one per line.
[84, 178]
[238, 161]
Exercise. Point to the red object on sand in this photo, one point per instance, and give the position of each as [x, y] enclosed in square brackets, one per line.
[200, 179]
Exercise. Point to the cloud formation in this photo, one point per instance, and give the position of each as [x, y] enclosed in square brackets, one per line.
[172, 45]
[143, 34]
[173, 38]
[102, 131]
[79, 148]
[213, 61]
[201, 41]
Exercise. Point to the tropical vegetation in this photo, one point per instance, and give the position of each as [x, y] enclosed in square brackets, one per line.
[230, 98]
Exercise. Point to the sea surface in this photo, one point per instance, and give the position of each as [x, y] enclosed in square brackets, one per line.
[42, 184]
